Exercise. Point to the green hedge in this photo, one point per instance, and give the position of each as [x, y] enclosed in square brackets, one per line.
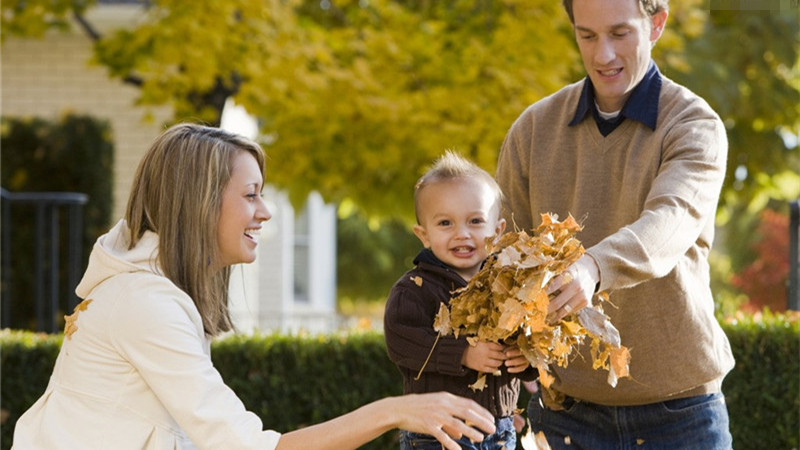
[291, 382]
[763, 390]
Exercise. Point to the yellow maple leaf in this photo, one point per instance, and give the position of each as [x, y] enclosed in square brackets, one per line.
[545, 378]
[512, 315]
[70, 327]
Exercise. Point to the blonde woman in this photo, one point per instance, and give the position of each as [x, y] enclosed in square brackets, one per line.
[135, 371]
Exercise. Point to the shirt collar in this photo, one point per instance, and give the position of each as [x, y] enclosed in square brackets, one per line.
[641, 106]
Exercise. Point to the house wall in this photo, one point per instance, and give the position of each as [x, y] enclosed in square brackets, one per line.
[51, 76]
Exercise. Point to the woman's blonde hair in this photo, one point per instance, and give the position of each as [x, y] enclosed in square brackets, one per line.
[177, 194]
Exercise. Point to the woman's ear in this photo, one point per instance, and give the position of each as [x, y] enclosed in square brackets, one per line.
[419, 230]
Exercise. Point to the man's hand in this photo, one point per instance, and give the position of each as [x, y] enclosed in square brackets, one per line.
[575, 288]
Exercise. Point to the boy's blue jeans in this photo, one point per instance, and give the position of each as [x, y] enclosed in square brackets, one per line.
[699, 422]
[504, 438]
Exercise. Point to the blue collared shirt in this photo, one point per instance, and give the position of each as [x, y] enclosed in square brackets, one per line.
[641, 106]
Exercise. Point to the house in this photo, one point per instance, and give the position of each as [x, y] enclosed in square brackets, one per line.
[292, 286]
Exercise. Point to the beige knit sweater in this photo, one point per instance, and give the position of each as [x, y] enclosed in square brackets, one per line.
[647, 200]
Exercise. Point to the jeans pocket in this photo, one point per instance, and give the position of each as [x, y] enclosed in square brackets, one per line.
[689, 403]
[411, 440]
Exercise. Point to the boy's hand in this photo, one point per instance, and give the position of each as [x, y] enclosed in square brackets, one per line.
[515, 361]
[485, 357]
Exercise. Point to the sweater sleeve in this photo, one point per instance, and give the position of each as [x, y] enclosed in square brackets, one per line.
[157, 335]
[679, 209]
[513, 167]
[410, 337]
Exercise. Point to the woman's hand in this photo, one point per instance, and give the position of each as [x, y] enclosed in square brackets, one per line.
[444, 416]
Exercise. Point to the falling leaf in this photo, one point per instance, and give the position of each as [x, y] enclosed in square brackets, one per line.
[534, 441]
[417, 280]
[70, 326]
[620, 359]
[639, 441]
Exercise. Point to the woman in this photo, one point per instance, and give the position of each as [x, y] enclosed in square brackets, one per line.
[135, 372]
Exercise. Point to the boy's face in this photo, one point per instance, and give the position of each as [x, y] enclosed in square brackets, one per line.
[456, 217]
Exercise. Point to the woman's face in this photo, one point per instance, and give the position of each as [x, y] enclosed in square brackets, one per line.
[242, 212]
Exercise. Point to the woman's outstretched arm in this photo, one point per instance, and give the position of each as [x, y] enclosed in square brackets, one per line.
[442, 415]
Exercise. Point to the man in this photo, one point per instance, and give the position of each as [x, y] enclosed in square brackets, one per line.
[640, 160]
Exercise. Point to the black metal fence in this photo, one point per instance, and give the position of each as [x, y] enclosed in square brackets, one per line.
[49, 300]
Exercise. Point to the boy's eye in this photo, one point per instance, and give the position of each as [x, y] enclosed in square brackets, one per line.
[444, 223]
[477, 220]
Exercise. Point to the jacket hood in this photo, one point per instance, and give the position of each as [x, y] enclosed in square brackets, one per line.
[110, 256]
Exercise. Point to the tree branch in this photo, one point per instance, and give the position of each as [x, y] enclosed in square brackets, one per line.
[95, 36]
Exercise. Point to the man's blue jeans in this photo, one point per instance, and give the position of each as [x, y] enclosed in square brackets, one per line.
[699, 422]
[504, 438]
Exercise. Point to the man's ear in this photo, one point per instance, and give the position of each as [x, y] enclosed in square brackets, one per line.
[419, 230]
[657, 24]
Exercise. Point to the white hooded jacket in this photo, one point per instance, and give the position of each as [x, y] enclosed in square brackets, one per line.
[136, 372]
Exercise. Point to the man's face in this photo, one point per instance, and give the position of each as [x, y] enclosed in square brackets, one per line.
[615, 38]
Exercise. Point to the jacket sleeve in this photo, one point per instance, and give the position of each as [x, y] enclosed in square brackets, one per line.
[678, 211]
[160, 335]
[410, 337]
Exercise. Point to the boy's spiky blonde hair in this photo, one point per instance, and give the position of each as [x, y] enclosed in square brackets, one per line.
[452, 166]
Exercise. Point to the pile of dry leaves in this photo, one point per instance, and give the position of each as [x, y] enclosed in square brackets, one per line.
[507, 302]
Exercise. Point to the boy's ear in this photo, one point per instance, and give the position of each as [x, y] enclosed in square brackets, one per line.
[419, 230]
[500, 227]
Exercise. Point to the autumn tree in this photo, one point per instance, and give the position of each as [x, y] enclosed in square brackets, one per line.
[354, 98]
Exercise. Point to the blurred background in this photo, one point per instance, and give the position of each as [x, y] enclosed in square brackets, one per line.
[352, 100]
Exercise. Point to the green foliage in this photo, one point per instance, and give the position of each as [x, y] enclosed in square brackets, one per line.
[74, 154]
[293, 381]
[27, 360]
[763, 390]
[35, 17]
[754, 85]
[371, 259]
